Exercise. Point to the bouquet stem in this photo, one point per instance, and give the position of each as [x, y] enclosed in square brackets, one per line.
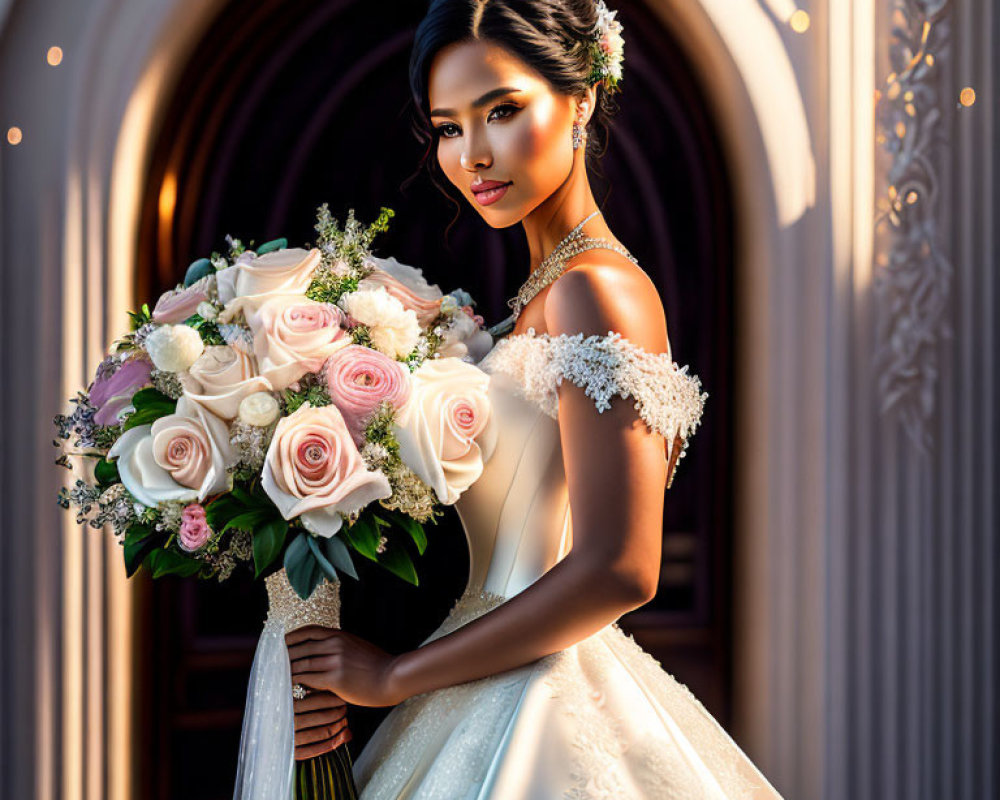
[328, 776]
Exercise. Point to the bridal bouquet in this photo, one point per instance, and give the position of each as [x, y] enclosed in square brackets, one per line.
[285, 407]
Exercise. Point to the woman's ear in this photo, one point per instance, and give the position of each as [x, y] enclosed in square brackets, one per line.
[588, 103]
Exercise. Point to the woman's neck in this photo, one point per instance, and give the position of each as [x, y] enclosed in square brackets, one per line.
[558, 214]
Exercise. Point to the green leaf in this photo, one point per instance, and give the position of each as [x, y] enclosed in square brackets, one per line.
[398, 562]
[221, 510]
[252, 499]
[168, 562]
[106, 473]
[139, 543]
[152, 398]
[249, 520]
[268, 540]
[363, 536]
[322, 560]
[304, 573]
[338, 554]
[413, 528]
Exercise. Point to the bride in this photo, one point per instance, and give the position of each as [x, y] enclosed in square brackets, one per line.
[529, 689]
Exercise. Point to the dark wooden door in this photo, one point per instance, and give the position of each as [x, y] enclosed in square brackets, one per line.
[287, 105]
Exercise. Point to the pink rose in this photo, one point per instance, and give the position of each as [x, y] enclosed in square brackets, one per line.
[441, 424]
[313, 470]
[294, 335]
[408, 285]
[194, 533]
[177, 305]
[358, 379]
[111, 392]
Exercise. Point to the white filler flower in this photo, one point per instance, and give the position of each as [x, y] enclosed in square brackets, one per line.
[174, 348]
[259, 409]
[394, 329]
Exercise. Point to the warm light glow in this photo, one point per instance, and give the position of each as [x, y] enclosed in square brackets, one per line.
[14, 135]
[54, 56]
[168, 197]
[967, 97]
[911, 197]
[799, 21]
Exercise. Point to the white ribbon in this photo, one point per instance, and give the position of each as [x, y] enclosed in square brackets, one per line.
[266, 764]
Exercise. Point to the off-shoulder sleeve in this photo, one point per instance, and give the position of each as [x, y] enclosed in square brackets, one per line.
[668, 399]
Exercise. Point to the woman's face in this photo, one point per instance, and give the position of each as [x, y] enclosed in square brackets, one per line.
[498, 120]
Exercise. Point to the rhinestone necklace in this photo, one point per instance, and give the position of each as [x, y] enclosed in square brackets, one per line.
[552, 266]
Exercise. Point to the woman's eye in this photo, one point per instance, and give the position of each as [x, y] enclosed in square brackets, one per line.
[446, 129]
[507, 108]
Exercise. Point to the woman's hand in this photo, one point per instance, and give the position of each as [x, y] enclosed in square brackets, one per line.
[320, 724]
[342, 663]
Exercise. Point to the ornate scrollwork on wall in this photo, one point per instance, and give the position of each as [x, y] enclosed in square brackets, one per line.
[912, 273]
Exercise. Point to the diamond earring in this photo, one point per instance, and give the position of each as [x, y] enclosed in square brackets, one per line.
[578, 134]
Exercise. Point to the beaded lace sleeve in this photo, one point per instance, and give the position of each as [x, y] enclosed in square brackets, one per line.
[668, 399]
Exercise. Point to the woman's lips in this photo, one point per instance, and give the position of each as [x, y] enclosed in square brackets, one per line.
[489, 192]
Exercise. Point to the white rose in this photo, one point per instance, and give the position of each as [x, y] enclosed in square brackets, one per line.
[207, 311]
[288, 271]
[394, 329]
[221, 378]
[439, 426]
[464, 339]
[182, 456]
[174, 348]
[259, 409]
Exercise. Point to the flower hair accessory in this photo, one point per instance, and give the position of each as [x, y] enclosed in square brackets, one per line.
[607, 49]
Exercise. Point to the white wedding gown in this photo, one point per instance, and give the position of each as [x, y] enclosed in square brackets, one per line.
[600, 720]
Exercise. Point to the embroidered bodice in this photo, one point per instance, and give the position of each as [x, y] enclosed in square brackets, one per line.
[517, 516]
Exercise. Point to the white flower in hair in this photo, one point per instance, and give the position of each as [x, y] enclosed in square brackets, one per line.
[608, 48]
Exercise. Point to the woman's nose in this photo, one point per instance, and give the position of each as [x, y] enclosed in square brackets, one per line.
[476, 154]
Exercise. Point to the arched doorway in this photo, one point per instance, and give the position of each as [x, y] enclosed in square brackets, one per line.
[284, 106]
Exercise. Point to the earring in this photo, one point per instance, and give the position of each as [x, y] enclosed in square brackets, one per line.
[578, 135]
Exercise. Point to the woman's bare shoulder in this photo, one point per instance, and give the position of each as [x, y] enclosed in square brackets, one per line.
[603, 291]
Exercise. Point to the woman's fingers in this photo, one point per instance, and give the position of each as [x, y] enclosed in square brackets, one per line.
[320, 733]
[317, 719]
[312, 750]
[313, 647]
[317, 700]
[307, 633]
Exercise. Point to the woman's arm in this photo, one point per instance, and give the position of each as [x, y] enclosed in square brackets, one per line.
[615, 472]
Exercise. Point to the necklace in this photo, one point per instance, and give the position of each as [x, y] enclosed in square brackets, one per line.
[552, 267]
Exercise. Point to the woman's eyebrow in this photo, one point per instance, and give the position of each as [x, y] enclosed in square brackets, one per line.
[490, 95]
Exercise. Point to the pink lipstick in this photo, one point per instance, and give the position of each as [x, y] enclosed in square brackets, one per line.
[489, 192]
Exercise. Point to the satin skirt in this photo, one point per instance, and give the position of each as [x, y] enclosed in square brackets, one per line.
[600, 720]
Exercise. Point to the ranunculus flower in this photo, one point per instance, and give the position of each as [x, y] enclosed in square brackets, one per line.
[221, 378]
[313, 470]
[358, 379]
[179, 304]
[439, 426]
[394, 329]
[195, 532]
[294, 335]
[174, 348]
[112, 393]
[408, 285]
[182, 456]
[288, 271]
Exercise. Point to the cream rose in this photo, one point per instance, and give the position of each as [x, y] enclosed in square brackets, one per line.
[221, 378]
[288, 271]
[408, 285]
[294, 335]
[394, 329]
[174, 348]
[182, 456]
[439, 426]
[313, 470]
